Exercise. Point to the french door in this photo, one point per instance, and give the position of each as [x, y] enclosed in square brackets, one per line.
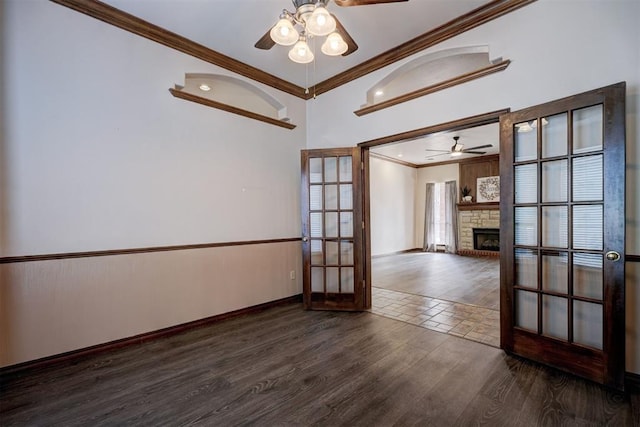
[563, 234]
[332, 227]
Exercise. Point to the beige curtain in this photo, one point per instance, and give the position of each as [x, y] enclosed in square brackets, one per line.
[429, 244]
[451, 217]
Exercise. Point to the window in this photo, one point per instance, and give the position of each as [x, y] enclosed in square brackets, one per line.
[439, 209]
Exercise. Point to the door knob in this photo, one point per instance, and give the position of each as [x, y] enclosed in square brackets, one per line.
[612, 256]
[305, 239]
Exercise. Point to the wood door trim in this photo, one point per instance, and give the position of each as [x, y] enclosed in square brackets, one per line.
[465, 123]
[114, 252]
[229, 108]
[365, 154]
[632, 258]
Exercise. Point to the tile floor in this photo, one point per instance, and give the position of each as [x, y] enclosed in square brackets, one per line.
[454, 318]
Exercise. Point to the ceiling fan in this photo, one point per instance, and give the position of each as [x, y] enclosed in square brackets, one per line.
[313, 19]
[458, 149]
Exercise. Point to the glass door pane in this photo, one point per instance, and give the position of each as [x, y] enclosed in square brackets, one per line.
[564, 205]
[554, 135]
[588, 129]
[329, 218]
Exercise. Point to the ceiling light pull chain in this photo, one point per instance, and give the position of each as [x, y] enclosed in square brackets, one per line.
[314, 68]
[306, 78]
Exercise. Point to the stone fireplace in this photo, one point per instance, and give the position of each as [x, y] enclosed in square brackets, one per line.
[486, 239]
[470, 218]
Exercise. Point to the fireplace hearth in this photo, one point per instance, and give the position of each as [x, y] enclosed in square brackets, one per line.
[486, 239]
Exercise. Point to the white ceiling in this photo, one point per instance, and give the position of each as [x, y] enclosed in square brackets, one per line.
[419, 152]
[232, 27]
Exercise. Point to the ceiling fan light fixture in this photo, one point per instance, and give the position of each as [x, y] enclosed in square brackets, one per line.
[300, 52]
[334, 45]
[320, 23]
[457, 148]
[283, 33]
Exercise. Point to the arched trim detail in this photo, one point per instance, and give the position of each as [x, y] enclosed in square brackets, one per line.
[430, 73]
[233, 95]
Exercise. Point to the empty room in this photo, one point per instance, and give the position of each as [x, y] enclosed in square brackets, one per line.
[319, 212]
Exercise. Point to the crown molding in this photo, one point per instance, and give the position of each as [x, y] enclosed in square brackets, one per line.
[456, 26]
[135, 25]
[392, 160]
[140, 27]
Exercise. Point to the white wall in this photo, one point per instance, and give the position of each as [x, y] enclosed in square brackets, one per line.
[397, 203]
[392, 188]
[558, 48]
[99, 155]
[96, 154]
[440, 173]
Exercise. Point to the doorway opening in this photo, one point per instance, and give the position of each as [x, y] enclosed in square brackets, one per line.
[456, 292]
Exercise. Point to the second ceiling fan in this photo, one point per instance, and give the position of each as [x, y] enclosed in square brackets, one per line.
[458, 149]
[312, 19]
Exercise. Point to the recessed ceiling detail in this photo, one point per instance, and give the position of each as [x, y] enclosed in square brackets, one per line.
[430, 73]
[233, 95]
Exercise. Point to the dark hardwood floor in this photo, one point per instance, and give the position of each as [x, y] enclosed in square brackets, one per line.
[463, 279]
[286, 366]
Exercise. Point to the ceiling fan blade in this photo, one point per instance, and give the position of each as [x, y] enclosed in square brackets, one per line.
[474, 152]
[475, 148]
[265, 42]
[437, 155]
[345, 3]
[352, 46]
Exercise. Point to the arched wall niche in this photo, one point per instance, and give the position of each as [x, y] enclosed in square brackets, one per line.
[232, 95]
[429, 73]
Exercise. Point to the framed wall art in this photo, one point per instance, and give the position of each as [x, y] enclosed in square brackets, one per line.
[488, 189]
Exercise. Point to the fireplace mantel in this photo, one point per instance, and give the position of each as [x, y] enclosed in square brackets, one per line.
[479, 206]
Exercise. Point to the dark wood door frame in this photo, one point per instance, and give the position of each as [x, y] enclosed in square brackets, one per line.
[464, 123]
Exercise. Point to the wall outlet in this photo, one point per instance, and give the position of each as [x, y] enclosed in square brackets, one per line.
[292, 275]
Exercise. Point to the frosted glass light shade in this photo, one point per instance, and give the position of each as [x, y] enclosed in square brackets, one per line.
[301, 53]
[320, 23]
[334, 45]
[283, 33]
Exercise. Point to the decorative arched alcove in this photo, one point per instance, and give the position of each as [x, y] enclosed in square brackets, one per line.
[233, 95]
[430, 73]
